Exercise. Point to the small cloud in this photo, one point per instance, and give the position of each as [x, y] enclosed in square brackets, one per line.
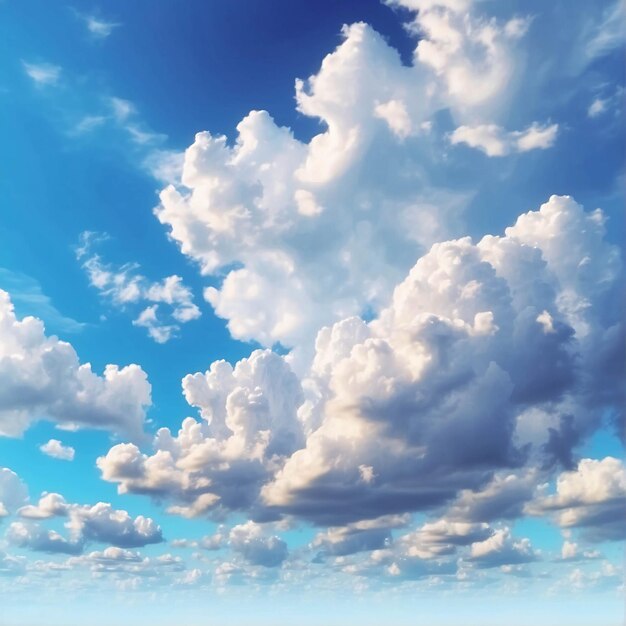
[495, 141]
[42, 73]
[89, 123]
[122, 109]
[57, 450]
[97, 27]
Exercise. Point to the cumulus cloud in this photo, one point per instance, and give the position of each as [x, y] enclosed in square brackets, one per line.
[57, 450]
[42, 378]
[42, 73]
[489, 361]
[124, 285]
[495, 141]
[447, 374]
[592, 497]
[307, 233]
[251, 541]
[100, 523]
[248, 427]
[13, 492]
[501, 549]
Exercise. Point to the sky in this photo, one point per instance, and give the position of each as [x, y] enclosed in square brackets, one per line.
[312, 313]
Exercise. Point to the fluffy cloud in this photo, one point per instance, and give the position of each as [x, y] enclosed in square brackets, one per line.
[491, 361]
[437, 394]
[13, 492]
[256, 547]
[495, 141]
[593, 497]
[305, 234]
[124, 286]
[248, 429]
[42, 378]
[34, 537]
[100, 522]
[501, 549]
[57, 450]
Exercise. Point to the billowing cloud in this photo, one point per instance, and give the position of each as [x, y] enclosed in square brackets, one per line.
[502, 549]
[257, 547]
[100, 523]
[248, 429]
[592, 497]
[57, 450]
[124, 286]
[490, 362]
[305, 234]
[42, 378]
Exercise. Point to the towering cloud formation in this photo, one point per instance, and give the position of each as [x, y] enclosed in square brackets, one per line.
[310, 233]
[42, 378]
[490, 362]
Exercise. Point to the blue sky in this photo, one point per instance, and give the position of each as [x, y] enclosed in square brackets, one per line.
[312, 311]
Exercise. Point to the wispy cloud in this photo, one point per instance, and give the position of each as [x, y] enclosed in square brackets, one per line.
[43, 73]
[166, 304]
[29, 299]
[98, 28]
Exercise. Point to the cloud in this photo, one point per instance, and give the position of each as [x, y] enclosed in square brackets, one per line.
[250, 541]
[49, 505]
[358, 537]
[430, 395]
[501, 549]
[42, 73]
[13, 492]
[307, 233]
[100, 522]
[592, 497]
[12, 565]
[119, 561]
[608, 33]
[98, 28]
[57, 450]
[495, 141]
[491, 360]
[29, 298]
[42, 378]
[33, 537]
[124, 286]
[248, 426]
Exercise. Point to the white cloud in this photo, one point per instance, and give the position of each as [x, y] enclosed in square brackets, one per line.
[248, 426]
[495, 141]
[252, 542]
[124, 286]
[99, 28]
[592, 497]
[42, 378]
[100, 522]
[502, 549]
[427, 356]
[13, 492]
[57, 450]
[309, 233]
[424, 406]
[43, 73]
